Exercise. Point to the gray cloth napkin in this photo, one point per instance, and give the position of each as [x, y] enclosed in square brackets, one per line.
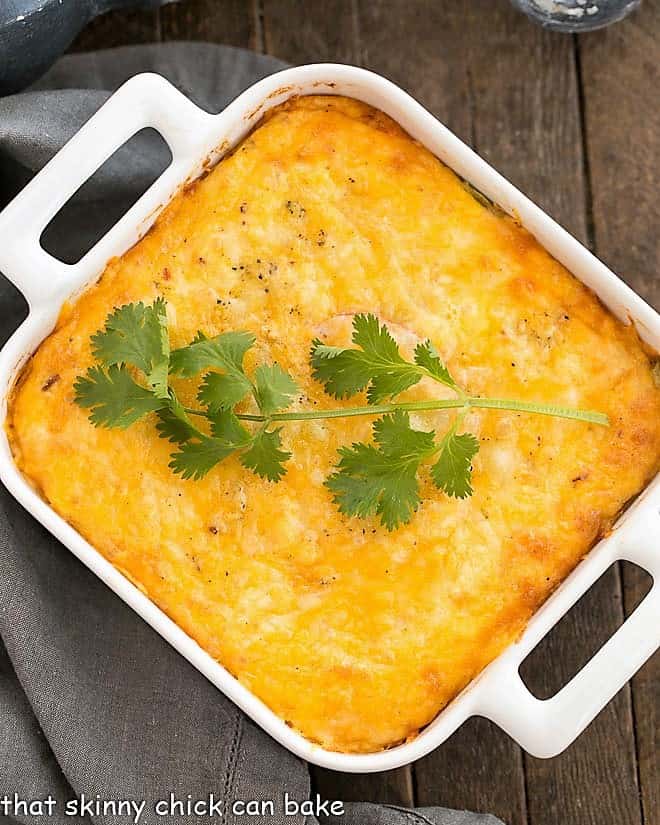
[92, 701]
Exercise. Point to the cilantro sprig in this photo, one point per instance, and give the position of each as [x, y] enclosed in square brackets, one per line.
[131, 380]
[135, 342]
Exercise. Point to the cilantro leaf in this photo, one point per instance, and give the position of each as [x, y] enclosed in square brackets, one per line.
[218, 390]
[195, 458]
[113, 397]
[222, 391]
[174, 424]
[275, 388]
[398, 439]
[225, 425]
[374, 338]
[381, 478]
[343, 372]
[264, 457]
[426, 356]
[136, 335]
[225, 352]
[359, 480]
[452, 472]
[377, 364]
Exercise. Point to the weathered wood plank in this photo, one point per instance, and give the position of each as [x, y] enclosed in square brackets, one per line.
[387, 788]
[646, 709]
[479, 769]
[526, 110]
[594, 781]
[621, 71]
[232, 22]
[119, 28]
[303, 32]
[421, 45]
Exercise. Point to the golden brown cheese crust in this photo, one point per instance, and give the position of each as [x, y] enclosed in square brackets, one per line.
[356, 636]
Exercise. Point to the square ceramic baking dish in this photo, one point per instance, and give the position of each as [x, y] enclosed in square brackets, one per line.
[197, 139]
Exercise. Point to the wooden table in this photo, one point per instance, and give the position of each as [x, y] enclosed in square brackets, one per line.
[575, 123]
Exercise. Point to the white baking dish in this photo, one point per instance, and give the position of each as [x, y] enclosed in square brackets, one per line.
[544, 728]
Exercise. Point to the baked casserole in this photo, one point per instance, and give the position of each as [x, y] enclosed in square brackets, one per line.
[355, 635]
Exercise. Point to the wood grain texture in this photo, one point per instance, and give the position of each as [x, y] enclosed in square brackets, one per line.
[621, 78]
[422, 45]
[302, 32]
[646, 710]
[525, 106]
[621, 74]
[478, 769]
[119, 28]
[594, 781]
[232, 22]
[388, 788]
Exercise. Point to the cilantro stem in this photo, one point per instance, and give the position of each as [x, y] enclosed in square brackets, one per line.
[466, 402]
[192, 411]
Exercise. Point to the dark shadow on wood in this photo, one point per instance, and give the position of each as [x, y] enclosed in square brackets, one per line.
[119, 28]
[389, 787]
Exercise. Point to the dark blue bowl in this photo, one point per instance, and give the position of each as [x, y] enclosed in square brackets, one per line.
[34, 33]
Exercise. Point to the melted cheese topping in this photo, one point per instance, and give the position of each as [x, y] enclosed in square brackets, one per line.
[356, 636]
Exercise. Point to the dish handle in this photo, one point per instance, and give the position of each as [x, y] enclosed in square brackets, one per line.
[545, 727]
[146, 100]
